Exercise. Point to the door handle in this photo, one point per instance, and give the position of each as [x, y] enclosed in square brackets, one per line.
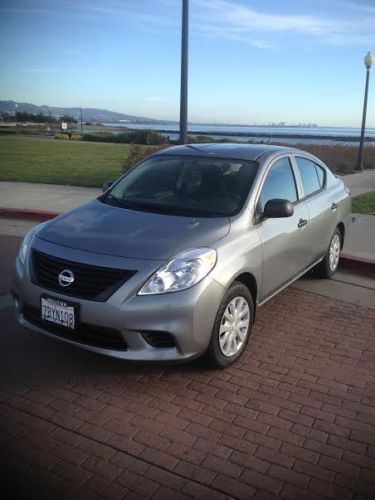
[334, 206]
[302, 222]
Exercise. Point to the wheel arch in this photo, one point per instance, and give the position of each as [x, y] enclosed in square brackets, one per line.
[341, 228]
[250, 282]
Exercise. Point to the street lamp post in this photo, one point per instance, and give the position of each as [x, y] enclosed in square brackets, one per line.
[184, 72]
[80, 110]
[369, 58]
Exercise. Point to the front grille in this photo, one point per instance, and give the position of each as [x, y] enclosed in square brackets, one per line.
[96, 336]
[90, 282]
[159, 339]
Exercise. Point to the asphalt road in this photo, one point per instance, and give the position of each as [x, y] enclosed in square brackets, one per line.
[295, 418]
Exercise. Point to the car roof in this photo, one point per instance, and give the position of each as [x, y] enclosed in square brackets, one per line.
[229, 150]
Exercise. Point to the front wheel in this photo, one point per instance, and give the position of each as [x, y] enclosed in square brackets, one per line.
[328, 266]
[232, 327]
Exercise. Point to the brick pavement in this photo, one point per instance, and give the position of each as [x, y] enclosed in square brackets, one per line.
[295, 418]
[8, 250]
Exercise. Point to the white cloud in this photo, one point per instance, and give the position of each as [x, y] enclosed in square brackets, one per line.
[117, 10]
[120, 10]
[342, 23]
[234, 21]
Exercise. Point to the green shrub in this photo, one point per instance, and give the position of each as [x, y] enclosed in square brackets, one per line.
[99, 137]
[146, 137]
[76, 137]
[200, 139]
[62, 136]
[149, 137]
[136, 154]
[6, 131]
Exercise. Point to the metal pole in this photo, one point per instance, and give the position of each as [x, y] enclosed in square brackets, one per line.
[184, 72]
[80, 109]
[360, 167]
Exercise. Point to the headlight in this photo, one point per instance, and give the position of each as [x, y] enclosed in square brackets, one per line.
[184, 271]
[24, 248]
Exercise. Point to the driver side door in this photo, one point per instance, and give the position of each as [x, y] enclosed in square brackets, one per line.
[286, 251]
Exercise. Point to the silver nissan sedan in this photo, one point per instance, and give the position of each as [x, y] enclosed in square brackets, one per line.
[171, 262]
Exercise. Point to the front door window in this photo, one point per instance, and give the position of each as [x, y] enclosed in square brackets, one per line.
[280, 183]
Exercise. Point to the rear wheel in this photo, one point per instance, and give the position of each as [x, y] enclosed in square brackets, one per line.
[232, 327]
[328, 266]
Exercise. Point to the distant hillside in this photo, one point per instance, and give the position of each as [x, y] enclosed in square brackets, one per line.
[88, 114]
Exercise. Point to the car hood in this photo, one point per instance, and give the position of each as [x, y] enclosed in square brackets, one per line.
[100, 228]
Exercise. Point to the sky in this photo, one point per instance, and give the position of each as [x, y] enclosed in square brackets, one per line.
[250, 61]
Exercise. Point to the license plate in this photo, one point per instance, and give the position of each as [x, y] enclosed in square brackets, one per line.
[58, 311]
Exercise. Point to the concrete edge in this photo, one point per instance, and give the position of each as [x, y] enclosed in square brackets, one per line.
[358, 265]
[23, 213]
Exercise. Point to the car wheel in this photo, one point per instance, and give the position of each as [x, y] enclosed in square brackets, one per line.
[328, 266]
[232, 327]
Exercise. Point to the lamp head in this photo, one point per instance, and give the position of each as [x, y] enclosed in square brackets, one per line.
[369, 59]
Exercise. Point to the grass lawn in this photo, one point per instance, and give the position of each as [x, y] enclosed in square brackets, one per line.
[364, 203]
[80, 163]
[75, 163]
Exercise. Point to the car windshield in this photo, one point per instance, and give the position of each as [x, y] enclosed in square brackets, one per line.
[185, 185]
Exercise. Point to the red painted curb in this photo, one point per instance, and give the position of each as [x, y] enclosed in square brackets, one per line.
[25, 213]
[364, 260]
[358, 265]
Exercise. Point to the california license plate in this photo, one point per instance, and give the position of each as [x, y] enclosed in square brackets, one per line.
[58, 311]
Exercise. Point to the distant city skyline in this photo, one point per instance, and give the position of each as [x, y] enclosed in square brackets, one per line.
[258, 61]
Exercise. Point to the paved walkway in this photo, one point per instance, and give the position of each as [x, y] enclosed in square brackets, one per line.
[361, 182]
[361, 241]
[46, 197]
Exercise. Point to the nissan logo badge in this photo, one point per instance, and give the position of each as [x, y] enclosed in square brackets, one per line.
[66, 277]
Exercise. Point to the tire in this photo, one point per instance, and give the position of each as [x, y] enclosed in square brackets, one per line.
[328, 266]
[222, 353]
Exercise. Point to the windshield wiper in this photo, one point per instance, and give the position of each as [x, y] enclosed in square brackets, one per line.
[132, 205]
[156, 207]
[176, 210]
[192, 212]
[111, 200]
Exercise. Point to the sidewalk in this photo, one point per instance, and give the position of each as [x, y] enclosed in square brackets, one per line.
[360, 244]
[22, 200]
[35, 201]
[360, 182]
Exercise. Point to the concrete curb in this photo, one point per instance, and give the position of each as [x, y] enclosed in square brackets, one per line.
[352, 263]
[25, 213]
[358, 265]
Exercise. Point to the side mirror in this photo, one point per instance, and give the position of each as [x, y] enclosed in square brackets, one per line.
[277, 208]
[107, 185]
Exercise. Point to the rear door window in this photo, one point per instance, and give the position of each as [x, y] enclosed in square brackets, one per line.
[312, 176]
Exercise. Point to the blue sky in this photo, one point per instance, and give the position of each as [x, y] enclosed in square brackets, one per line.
[250, 61]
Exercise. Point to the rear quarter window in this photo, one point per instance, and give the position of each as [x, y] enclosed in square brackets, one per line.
[321, 175]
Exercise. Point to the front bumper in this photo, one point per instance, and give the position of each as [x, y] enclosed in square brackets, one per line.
[187, 316]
